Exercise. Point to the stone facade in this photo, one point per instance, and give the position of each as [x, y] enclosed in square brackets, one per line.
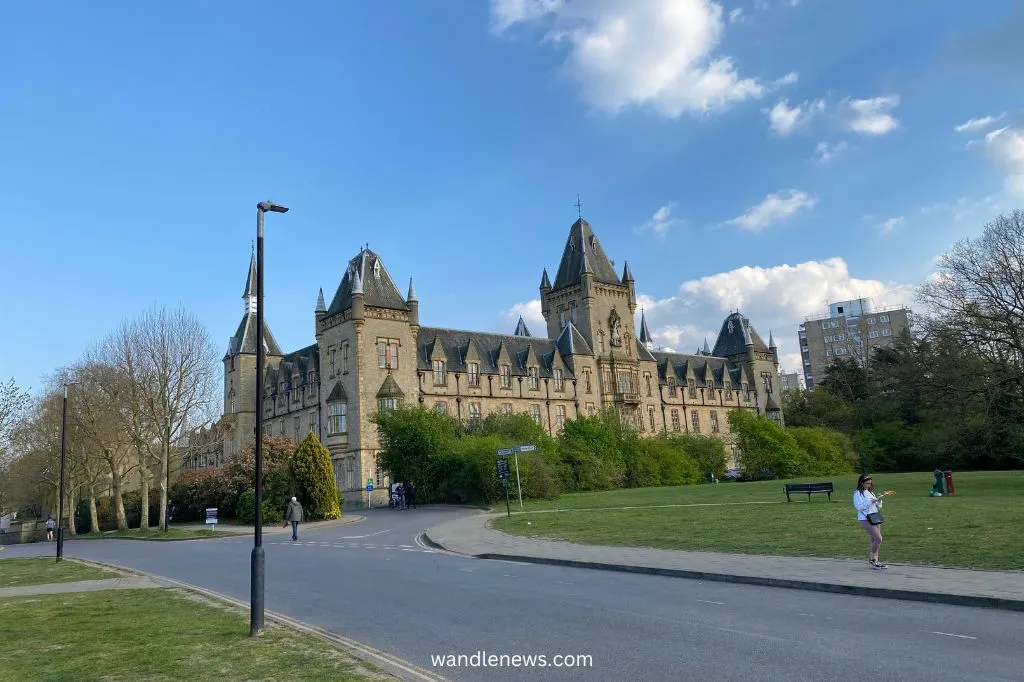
[371, 353]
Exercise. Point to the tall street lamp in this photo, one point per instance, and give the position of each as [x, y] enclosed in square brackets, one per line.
[258, 559]
[63, 460]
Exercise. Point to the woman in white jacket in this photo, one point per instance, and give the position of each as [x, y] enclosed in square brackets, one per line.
[866, 503]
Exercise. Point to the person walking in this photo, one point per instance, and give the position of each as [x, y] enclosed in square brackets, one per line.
[868, 513]
[410, 494]
[294, 514]
[50, 524]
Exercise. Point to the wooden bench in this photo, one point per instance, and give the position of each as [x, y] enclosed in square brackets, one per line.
[809, 488]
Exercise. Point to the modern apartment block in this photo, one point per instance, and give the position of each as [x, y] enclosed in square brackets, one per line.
[849, 330]
[790, 381]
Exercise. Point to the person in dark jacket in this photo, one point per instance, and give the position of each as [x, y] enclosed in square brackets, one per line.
[294, 514]
[410, 494]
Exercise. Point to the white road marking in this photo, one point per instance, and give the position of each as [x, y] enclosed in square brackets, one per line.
[705, 601]
[559, 582]
[809, 615]
[405, 545]
[360, 537]
[950, 634]
[467, 570]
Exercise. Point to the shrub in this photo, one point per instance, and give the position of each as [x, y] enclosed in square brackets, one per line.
[706, 452]
[766, 448]
[592, 453]
[245, 510]
[314, 477]
[823, 451]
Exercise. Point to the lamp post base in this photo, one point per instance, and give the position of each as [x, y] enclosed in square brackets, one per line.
[60, 544]
[256, 596]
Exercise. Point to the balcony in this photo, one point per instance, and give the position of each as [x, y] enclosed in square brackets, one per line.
[627, 398]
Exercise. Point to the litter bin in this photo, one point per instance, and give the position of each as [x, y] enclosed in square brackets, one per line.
[949, 482]
[937, 486]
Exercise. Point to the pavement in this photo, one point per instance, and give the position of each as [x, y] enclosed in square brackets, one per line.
[141, 582]
[470, 535]
[378, 583]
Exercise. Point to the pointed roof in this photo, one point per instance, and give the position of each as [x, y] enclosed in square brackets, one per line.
[338, 394]
[367, 275]
[250, 281]
[771, 405]
[390, 389]
[411, 296]
[707, 348]
[521, 328]
[545, 283]
[582, 249]
[571, 342]
[645, 333]
[771, 340]
[737, 333]
[627, 274]
[321, 307]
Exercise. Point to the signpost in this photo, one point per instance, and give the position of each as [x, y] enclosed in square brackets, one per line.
[369, 490]
[503, 475]
[211, 518]
[514, 451]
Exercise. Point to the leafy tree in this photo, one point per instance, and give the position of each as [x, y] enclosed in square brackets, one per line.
[409, 438]
[824, 452]
[593, 452]
[314, 476]
[818, 408]
[766, 447]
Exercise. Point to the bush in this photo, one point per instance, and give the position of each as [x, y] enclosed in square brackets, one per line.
[824, 452]
[314, 477]
[766, 448]
[706, 452]
[245, 510]
[592, 452]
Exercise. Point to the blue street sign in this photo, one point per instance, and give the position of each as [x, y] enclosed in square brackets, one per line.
[505, 452]
[369, 487]
[526, 448]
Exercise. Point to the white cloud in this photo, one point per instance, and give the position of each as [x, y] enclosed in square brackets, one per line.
[826, 152]
[965, 208]
[661, 222]
[789, 79]
[735, 15]
[657, 53]
[773, 208]
[531, 314]
[785, 119]
[1006, 147]
[891, 224]
[872, 116]
[978, 124]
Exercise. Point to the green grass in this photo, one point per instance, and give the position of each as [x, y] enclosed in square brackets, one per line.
[158, 634]
[21, 572]
[979, 527]
[194, 533]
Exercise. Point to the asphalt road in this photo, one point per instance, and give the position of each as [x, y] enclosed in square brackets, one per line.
[374, 583]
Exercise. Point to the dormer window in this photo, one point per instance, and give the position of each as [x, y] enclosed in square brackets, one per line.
[376, 269]
[440, 373]
[534, 381]
[506, 376]
[559, 382]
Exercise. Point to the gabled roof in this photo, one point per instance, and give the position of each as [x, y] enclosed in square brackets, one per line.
[299, 362]
[582, 247]
[737, 333]
[708, 370]
[571, 342]
[338, 394]
[244, 340]
[458, 345]
[378, 288]
[390, 389]
[521, 328]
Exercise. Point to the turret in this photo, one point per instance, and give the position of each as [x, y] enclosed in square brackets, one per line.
[645, 334]
[357, 295]
[414, 307]
[627, 279]
[545, 289]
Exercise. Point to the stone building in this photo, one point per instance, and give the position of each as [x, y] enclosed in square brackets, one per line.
[371, 353]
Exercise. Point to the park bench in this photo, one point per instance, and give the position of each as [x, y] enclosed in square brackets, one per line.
[809, 488]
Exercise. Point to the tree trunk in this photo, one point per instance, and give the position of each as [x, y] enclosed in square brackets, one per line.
[70, 518]
[115, 480]
[144, 523]
[94, 518]
[164, 466]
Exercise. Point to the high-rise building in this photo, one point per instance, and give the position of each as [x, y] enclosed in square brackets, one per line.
[790, 381]
[849, 330]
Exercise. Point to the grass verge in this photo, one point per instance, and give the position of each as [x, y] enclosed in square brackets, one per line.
[160, 634]
[196, 533]
[22, 572]
[979, 527]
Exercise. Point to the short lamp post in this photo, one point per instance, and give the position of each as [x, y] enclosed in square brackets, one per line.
[63, 467]
[258, 558]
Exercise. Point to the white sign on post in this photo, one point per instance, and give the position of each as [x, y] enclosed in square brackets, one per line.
[211, 518]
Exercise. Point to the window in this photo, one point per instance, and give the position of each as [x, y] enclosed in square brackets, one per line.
[586, 378]
[695, 421]
[650, 417]
[296, 426]
[647, 378]
[746, 392]
[841, 337]
[311, 378]
[883, 318]
[312, 424]
[234, 402]
[534, 381]
[824, 324]
[388, 404]
[676, 426]
[559, 386]
[840, 351]
[344, 358]
[506, 408]
[600, 339]
[624, 383]
[280, 428]
[440, 373]
[691, 388]
[474, 373]
[871, 320]
[535, 414]
[506, 376]
[672, 388]
[714, 422]
[337, 420]
[728, 390]
[295, 383]
[829, 339]
[387, 353]
[474, 410]
[441, 407]
[828, 353]
[333, 368]
[376, 269]
[560, 417]
[591, 408]
[572, 311]
[886, 332]
[561, 319]
[835, 323]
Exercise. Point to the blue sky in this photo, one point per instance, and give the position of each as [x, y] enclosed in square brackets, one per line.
[765, 155]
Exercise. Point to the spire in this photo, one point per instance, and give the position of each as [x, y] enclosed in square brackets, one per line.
[250, 287]
[545, 283]
[321, 307]
[357, 281]
[412, 292]
[521, 328]
[707, 348]
[645, 333]
[627, 275]
[583, 250]
[771, 341]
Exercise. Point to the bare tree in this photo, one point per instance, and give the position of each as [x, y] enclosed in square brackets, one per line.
[13, 404]
[169, 361]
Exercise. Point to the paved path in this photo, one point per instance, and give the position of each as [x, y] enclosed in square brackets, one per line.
[418, 604]
[126, 583]
[469, 535]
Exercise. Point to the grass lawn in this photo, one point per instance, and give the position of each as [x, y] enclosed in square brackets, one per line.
[193, 533]
[21, 572]
[980, 527]
[159, 634]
